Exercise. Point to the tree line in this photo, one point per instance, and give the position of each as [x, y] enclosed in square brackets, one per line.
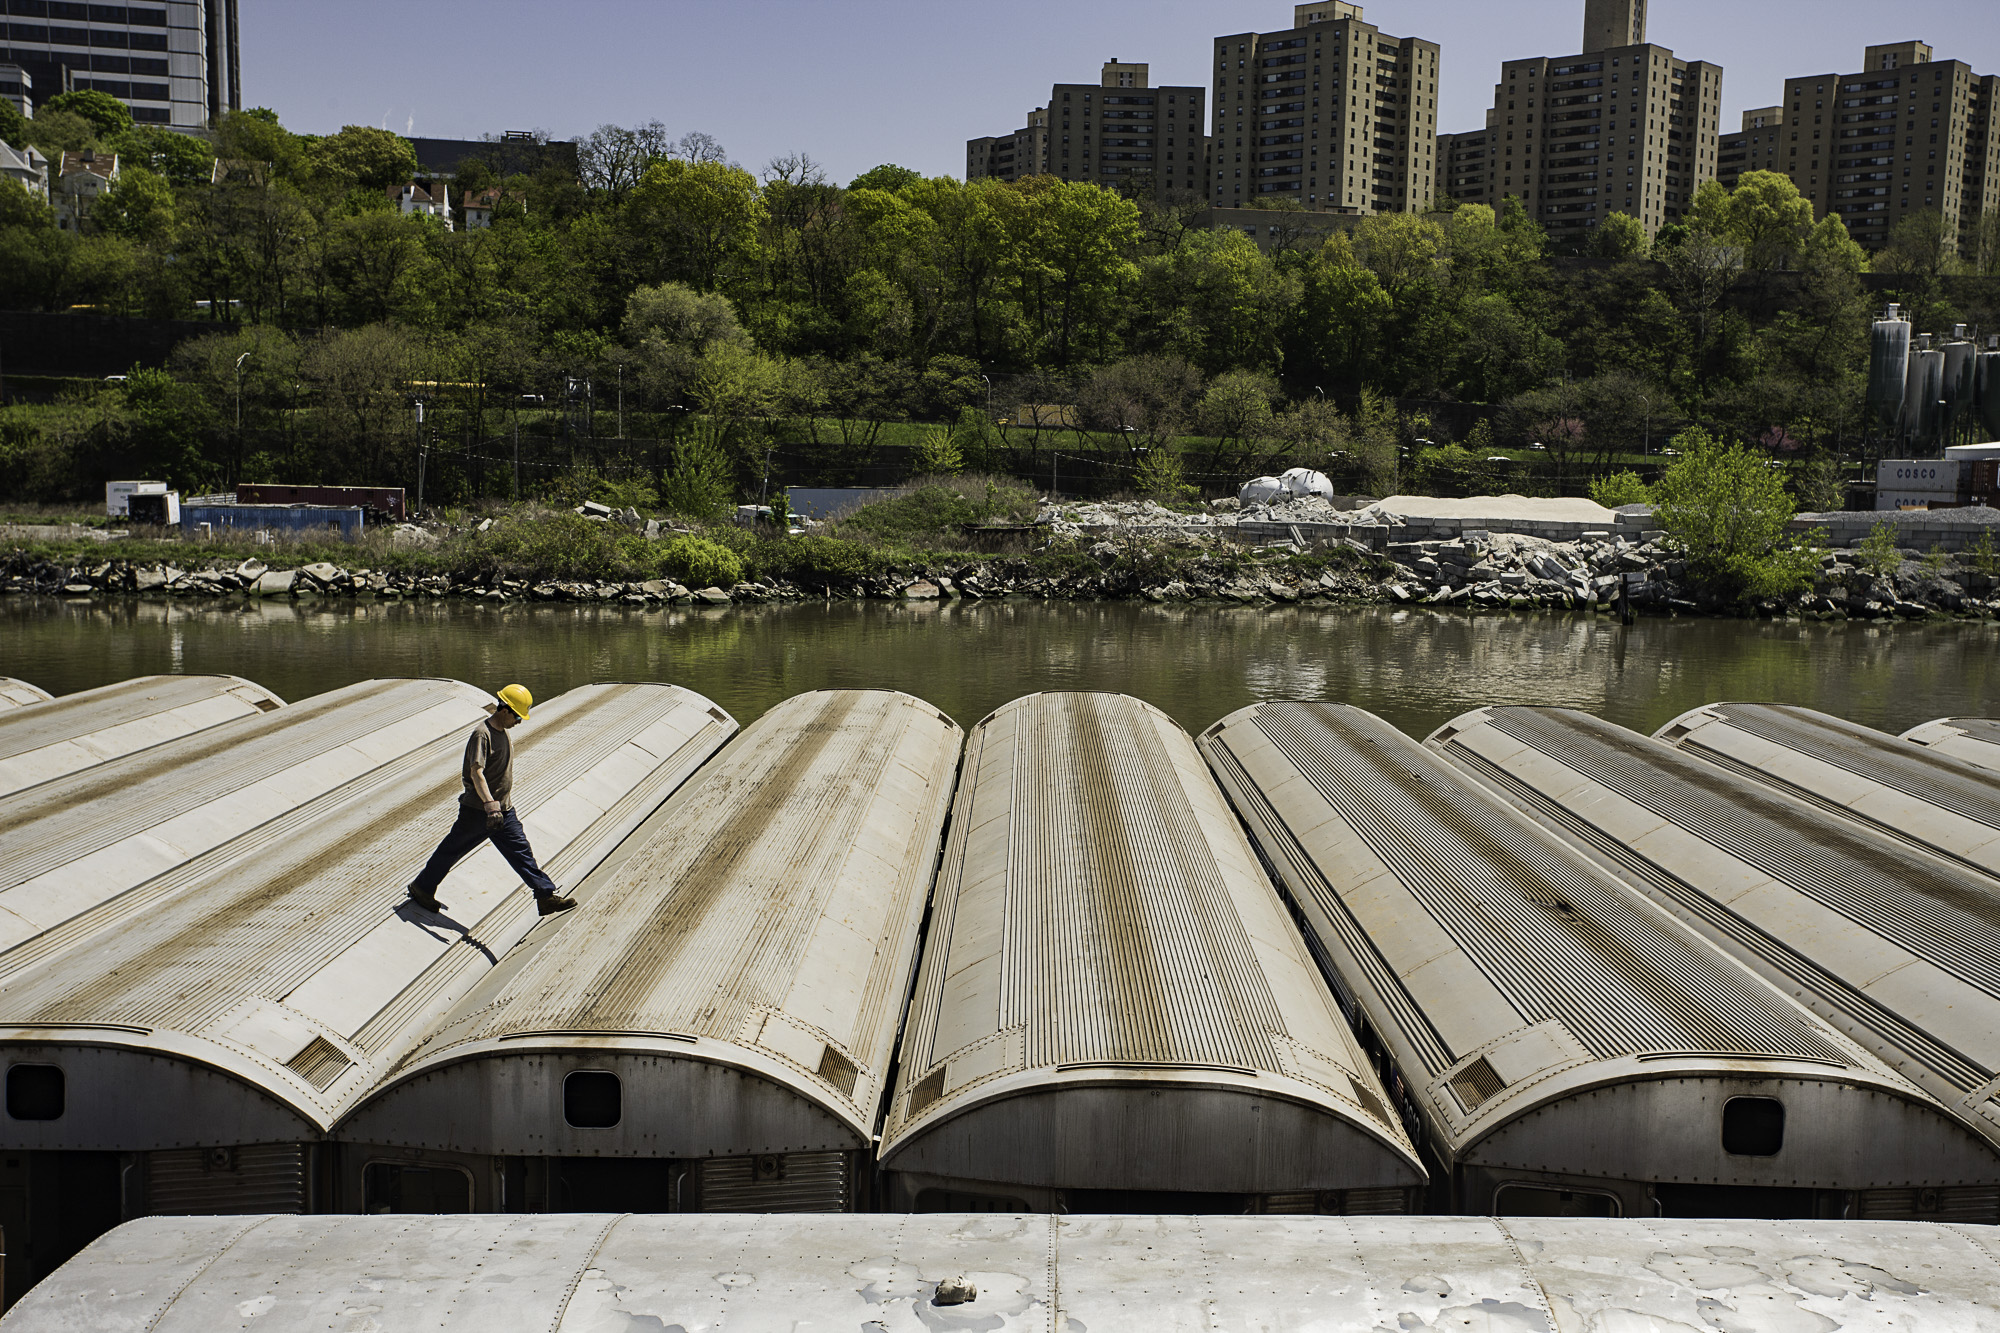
[729, 311]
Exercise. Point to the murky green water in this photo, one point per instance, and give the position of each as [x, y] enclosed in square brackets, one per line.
[1415, 668]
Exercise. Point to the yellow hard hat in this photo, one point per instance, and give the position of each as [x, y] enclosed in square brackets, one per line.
[517, 698]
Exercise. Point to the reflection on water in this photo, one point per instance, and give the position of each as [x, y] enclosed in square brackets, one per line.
[1416, 668]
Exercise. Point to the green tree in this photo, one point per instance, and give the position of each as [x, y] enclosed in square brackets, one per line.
[140, 207]
[1727, 513]
[108, 117]
[888, 178]
[1621, 237]
[1618, 489]
[180, 159]
[700, 220]
[1768, 217]
[1071, 253]
[364, 157]
[14, 127]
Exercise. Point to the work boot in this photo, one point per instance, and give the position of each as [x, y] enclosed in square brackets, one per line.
[554, 903]
[427, 901]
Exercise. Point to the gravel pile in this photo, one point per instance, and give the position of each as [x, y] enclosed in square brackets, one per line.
[1913, 518]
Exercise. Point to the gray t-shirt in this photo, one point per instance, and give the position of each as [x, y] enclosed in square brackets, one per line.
[491, 751]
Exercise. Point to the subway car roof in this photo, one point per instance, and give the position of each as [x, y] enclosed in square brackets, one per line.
[1104, 952]
[741, 962]
[1897, 948]
[1973, 739]
[1511, 975]
[1925, 798]
[85, 852]
[77, 731]
[261, 1002]
[16, 693]
[581, 1272]
[1976, 740]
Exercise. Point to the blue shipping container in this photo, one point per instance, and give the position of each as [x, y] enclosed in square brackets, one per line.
[298, 520]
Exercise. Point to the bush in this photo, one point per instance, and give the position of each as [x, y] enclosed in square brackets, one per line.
[562, 546]
[1878, 553]
[1727, 513]
[1161, 477]
[1982, 556]
[938, 452]
[817, 561]
[939, 507]
[701, 563]
[1620, 489]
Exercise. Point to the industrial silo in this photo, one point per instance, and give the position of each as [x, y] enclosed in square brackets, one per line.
[1889, 370]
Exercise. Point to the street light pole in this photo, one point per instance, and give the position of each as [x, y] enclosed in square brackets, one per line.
[237, 468]
[621, 400]
[1649, 424]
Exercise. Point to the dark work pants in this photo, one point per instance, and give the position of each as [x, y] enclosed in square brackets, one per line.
[466, 835]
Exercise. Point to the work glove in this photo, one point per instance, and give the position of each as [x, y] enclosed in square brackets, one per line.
[495, 821]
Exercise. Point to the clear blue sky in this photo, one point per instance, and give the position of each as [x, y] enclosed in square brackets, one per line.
[857, 82]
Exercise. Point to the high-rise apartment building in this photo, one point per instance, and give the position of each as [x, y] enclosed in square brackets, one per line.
[1120, 132]
[1752, 148]
[1907, 134]
[173, 62]
[1623, 128]
[1332, 112]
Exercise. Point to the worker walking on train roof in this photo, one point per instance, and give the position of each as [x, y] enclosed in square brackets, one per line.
[486, 810]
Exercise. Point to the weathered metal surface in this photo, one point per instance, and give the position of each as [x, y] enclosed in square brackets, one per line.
[741, 961]
[19, 693]
[97, 848]
[1556, 1027]
[1897, 948]
[1111, 994]
[1976, 740]
[1930, 800]
[262, 1000]
[582, 1273]
[77, 731]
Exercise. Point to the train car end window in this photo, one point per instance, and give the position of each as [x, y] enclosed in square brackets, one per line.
[593, 1099]
[35, 1092]
[1541, 1201]
[1753, 1126]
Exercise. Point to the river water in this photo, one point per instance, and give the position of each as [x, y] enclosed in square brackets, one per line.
[1418, 669]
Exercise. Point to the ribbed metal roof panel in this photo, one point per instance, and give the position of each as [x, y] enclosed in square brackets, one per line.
[1470, 933]
[1898, 949]
[19, 693]
[766, 918]
[1098, 909]
[83, 852]
[302, 970]
[583, 1273]
[1926, 798]
[1976, 740]
[77, 731]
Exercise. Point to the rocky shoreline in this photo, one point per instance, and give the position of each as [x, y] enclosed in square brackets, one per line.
[1476, 571]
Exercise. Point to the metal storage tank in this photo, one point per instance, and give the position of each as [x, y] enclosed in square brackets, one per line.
[1114, 1012]
[19, 693]
[1889, 370]
[1975, 740]
[1930, 800]
[594, 1274]
[73, 732]
[89, 851]
[1573, 1050]
[1924, 402]
[1893, 946]
[191, 1060]
[712, 1028]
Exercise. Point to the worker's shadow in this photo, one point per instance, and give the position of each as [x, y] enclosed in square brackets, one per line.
[439, 926]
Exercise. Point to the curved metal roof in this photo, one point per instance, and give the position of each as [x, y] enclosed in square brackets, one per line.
[1976, 740]
[1508, 973]
[19, 693]
[741, 961]
[274, 990]
[1898, 949]
[581, 1273]
[1104, 950]
[1932, 800]
[88, 851]
[77, 731]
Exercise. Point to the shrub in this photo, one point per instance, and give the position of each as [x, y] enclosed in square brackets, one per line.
[1727, 513]
[1878, 553]
[701, 563]
[817, 561]
[562, 546]
[938, 453]
[1981, 555]
[701, 484]
[1619, 489]
[938, 507]
[1161, 477]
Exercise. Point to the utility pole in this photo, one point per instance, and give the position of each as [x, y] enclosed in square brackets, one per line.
[621, 400]
[236, 469]
[517, 458]
[1649, 424]
[423, 457]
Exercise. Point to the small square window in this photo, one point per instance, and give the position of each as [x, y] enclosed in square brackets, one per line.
[593, 1099]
